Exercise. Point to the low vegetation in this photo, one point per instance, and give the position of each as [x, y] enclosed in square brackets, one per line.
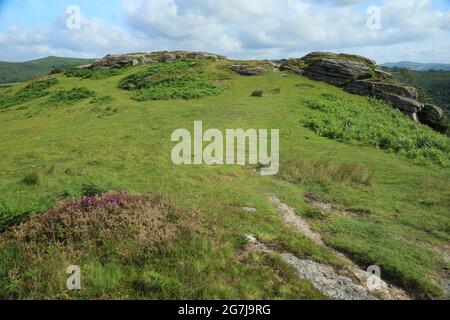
[184, 79]
[95, 74]
[34, 90]
[325, 171]
[377, 124]
[69, 97]
[60, 168]
[101, 224]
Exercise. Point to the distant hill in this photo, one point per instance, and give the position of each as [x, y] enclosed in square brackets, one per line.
[415, 66]
[22, 71]
[435, 83]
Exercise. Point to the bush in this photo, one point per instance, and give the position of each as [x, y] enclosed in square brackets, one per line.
[102, 100]
[315, 213]
[92, 189]
[31, 179]
[95, 74]
[34, 90]
[183, 79]
[377, 124]
[257, 93]
[70, 96]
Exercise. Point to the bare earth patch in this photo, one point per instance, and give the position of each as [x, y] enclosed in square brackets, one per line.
[332, 281]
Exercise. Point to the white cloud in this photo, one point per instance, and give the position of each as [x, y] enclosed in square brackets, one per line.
[244, 29]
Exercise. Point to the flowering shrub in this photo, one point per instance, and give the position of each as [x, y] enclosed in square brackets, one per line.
[117, 216]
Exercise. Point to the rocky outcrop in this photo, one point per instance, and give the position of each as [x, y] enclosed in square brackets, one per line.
[314, 56]
[336, 69]
[246, 70]
[359, 75]
[337, 72]
[402, 98]
[133, 59]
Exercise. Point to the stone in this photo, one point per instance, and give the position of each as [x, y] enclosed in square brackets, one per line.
[313, 56]
[337, 72]
[432, 116]
[403, 98]
[133, 59]
[246, 70]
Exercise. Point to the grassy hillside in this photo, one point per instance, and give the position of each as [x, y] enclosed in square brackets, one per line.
[92, 135]
[11, 72]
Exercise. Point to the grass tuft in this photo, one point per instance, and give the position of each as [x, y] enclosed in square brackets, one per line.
[323, 171]
[257, 93]
[31, 179]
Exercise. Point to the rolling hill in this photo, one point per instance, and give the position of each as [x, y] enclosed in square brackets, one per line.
[436, 84]
[11, 72]
[415, 66]
[87, 178]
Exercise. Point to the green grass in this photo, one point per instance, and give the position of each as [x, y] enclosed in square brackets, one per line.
[377, 124]
[69, 97]
[31, 91]
[95, 74]
[76, 151]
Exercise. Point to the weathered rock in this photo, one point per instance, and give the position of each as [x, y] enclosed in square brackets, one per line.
[402, 97]
[367, 88]
[432, 116]
[337, 72]
[247, 70]
[361, 76]
[115, 61]
[314, 56]
[133, 59]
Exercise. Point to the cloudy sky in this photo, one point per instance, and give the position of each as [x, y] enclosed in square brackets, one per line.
[386, 30]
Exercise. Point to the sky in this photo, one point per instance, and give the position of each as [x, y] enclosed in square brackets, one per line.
[384, 30]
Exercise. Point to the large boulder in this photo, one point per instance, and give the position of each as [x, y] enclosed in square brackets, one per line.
[246, 70]
[337, 69]
[314, 56]
[403, 98]
[432, 116]
[337, 72]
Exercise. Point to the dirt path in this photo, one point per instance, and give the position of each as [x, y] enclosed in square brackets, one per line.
[348, 284]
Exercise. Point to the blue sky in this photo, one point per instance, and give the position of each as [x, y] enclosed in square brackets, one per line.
[417, 30]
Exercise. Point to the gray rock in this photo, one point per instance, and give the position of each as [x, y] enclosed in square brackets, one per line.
[249, 209]
[402, 97]
[431, 116]
[327, 281]
[247, 70]
[337, 72]
[133, 59]
[313, 56]
[369, 88]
